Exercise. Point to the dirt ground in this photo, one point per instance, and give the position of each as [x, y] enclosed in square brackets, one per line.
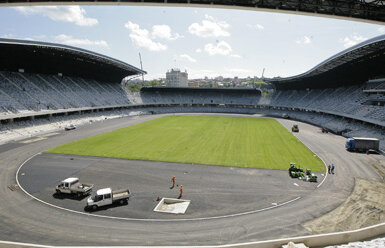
[379, 166]
[364, 207]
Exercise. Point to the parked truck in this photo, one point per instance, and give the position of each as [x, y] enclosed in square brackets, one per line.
[72, 186]
[362, 144]
[104, 197]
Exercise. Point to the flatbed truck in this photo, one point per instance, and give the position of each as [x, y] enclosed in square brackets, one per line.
[72, 185]
[105, 197]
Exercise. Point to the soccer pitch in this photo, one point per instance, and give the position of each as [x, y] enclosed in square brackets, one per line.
[213, 140]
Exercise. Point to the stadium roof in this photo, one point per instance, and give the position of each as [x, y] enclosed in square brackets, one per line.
[363, 10]
[354, 65]
[51, 58]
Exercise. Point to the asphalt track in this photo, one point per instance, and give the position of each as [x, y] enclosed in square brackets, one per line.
[24, 219]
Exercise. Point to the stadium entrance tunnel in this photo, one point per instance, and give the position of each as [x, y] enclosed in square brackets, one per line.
[213, 191]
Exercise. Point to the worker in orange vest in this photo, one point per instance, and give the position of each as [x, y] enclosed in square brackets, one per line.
[173, 182]
[180, 191]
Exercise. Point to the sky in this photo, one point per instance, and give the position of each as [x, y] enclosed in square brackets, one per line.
[207, 42]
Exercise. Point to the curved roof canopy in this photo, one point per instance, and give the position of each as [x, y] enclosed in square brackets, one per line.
[364, 10]
[354, 65]
[50, 58]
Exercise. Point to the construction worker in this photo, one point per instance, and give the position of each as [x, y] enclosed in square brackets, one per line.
[173, 182]
[180, 191]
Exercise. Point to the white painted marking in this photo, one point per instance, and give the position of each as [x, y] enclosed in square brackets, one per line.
[326, 174]
[24, 244]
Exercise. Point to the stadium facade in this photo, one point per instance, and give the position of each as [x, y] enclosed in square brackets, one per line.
[362, 10]
[344, 94]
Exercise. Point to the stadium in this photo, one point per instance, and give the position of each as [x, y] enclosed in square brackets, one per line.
[47, 87]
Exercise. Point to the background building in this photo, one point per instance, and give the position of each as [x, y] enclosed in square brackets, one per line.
[176, 78]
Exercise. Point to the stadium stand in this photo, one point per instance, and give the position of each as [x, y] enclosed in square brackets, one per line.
[342, 110]
[375, 85]
[24, 92]
[28, 128]
[38, 97]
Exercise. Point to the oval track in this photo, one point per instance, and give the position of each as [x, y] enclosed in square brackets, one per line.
[24, 219]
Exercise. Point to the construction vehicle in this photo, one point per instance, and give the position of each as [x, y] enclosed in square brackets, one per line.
[294, 171]
[311, 177]
[324, 130]
[70, 127]
[295, 128]
[360, 144]
[297, 172]
[71, 185]
[105, 197]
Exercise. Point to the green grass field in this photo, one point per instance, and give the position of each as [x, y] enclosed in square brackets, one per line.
[214, 140]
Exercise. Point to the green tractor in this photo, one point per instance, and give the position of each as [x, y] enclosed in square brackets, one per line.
[312, 177]
[295, 129]
[294, 171]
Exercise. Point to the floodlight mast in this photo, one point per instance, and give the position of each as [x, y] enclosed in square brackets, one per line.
[141, 67]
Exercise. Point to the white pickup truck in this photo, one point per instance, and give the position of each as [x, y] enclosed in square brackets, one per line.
[72, 186]
[104, 197]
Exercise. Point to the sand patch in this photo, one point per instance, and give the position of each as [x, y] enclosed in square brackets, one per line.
[379, 166]
[364, 207]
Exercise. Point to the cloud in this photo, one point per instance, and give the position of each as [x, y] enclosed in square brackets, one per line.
[188, 57]
[7, 36]
[164, 32]
[236, 56]
[33, 38]
[239, 70]
[69, 40]
[352, 40]
[259, 26]
[198, 50]
[141, 38]
[12, 36]
[74, 14]
[305, 40]
[222, 48]
[209, 27]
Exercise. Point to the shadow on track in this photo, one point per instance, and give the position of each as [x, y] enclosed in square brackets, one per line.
[60, 196]
[103, 208]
